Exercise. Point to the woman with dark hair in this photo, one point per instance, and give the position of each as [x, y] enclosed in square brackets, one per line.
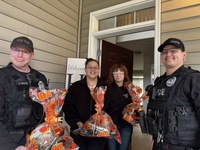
[79, 105]
[118, 78]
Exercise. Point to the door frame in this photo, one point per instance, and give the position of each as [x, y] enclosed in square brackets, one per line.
[95, 36]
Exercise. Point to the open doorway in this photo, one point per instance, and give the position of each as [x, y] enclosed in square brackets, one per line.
[142, 62]
[133, 36]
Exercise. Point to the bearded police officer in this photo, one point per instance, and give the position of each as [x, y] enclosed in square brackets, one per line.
[173, 111]
[18, 114]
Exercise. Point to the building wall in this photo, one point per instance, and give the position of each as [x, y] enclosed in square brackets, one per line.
[52, 25]
[181, 19]
[90, 6]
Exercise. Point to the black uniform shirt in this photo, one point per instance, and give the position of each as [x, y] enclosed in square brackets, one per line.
[14, 91]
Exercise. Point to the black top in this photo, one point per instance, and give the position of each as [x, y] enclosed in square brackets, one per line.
[79, 104]
[123, 98]
[14, 93]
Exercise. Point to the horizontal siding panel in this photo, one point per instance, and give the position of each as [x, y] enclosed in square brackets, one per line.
[181, 13]
[84, 51]
[48, 57]
[35, 17]
[87, 3]
[44, 34]
[192, 46]
[176, 4]
[184, 24]
[71, 4]
[72, 15]
[193, 58]
[84, 40]
[48, 67]
[5, 59]
[94, 5]
[85, 25]
[85, 17]
[55, 49]
[5, 47]
[56, 85]
[85, 32]
[56, 78]
[185, 35]
[51, 40]
[83, 55]
[84, 48]
[74, 1]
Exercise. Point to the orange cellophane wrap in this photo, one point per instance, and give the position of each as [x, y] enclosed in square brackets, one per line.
[131, 111]
[50, 135]
[100, 124]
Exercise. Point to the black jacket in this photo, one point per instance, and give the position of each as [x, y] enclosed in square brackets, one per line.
[123, 98]
[79, 104]
[14, 96]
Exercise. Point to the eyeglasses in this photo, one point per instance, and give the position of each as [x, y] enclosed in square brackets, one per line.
[170, 50]
[92, 68]
[17, 51]
[118, 73]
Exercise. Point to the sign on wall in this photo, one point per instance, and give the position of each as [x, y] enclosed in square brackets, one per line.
[75, 70]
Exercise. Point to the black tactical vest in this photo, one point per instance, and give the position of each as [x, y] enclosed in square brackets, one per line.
[169, 116]
[22, 114]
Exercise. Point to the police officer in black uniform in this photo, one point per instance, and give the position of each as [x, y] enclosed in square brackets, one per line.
[19, 115]
[173, 111]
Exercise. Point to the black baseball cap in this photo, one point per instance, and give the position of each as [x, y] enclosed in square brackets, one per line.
[172, 41]
[23, 42]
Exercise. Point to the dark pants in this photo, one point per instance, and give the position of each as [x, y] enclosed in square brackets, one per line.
[165, 146]
[89, 143]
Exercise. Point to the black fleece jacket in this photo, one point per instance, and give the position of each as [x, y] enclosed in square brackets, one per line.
[123, 98]
[79, 104]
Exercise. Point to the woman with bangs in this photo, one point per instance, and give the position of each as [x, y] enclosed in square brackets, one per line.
[118, 78]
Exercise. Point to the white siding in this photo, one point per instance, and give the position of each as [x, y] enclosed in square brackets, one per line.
[52, 25]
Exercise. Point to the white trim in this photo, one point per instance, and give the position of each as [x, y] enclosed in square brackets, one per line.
[132, 28]
[79, 29]
[136, 36]
[157, 38]
[95, 35]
